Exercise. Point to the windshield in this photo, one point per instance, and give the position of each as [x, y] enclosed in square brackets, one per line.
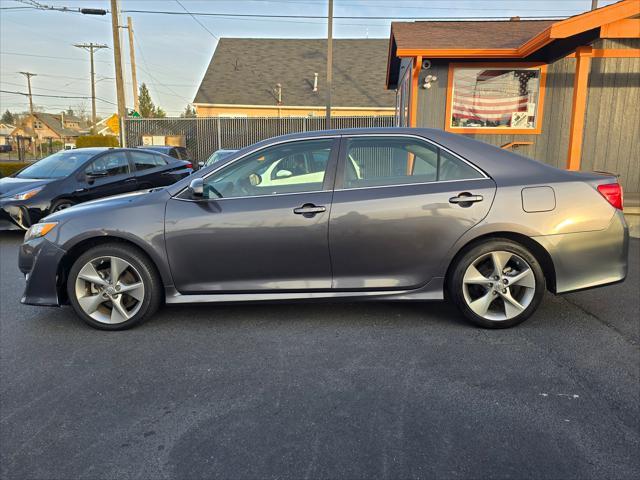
[219, 155]
[58, 165]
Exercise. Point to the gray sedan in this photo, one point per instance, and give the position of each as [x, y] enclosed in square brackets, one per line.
[366, 214]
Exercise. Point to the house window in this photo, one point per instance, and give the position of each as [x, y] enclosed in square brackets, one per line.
[37, 124]
[495, 98]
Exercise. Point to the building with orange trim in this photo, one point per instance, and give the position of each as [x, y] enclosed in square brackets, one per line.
[566, 92]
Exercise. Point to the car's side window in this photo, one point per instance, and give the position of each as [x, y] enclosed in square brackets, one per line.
[159, 160]
[111, 164]
[143, 160]
[380, 161]
[291, 167]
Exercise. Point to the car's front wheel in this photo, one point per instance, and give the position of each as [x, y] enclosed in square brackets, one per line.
[113, 287]
[497, 284]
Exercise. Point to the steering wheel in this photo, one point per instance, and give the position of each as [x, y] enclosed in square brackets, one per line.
[244, 187]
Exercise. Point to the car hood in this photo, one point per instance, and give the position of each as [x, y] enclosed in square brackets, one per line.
[108, 203]
[13, 185]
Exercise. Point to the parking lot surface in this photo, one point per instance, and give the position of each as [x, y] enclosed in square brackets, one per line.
[369, 390]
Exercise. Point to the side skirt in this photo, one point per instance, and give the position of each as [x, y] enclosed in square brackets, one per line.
[434, 290]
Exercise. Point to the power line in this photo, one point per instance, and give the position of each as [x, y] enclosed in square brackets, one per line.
[55, 96]
[324, 17]
[196, 19]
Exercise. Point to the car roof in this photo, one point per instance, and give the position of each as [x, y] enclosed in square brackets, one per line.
[158, 147]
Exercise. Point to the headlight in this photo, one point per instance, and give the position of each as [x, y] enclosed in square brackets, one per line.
[39, 230]
[26, 195]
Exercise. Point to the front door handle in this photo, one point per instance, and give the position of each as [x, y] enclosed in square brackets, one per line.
[309, 210]
[130, 180]
[465, 199]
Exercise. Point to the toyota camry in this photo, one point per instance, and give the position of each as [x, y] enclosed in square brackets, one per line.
[364, 214]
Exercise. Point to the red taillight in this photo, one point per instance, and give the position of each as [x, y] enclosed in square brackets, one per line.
[189, 165]
[613, 193]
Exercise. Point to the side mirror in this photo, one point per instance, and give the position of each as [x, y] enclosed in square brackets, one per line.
[283, 174]
[196, 187]
[200, 164]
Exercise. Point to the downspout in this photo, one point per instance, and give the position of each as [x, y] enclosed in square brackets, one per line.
[579, 106]
[415, 73]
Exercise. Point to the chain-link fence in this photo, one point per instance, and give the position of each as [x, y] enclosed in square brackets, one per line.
[203, 136]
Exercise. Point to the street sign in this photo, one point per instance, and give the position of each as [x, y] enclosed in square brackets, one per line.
[113, 122]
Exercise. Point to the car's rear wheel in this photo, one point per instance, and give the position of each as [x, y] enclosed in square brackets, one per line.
[497, 284]
[113, 287]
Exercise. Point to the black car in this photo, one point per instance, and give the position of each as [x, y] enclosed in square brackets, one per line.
[74, 176]
[181, 153]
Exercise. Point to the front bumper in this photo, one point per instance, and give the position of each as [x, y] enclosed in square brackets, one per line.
[589, 259]
[16, 216]
[39, 260]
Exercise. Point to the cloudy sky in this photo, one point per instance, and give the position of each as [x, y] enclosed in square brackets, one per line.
[173, 51]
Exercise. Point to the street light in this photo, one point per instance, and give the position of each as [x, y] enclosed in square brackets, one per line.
[93, 11]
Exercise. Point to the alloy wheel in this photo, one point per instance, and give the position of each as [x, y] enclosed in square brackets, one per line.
[109, 289]
[498, 285]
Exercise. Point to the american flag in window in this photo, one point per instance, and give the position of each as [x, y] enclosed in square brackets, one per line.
[495, 97]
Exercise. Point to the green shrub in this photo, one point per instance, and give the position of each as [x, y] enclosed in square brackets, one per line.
[97, 141]
[8, 168]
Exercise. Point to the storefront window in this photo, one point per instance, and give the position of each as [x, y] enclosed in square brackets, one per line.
[503, 98]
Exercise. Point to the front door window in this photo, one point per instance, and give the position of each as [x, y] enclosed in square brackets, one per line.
[292, 167]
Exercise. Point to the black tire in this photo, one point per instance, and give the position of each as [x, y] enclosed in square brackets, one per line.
[152, 285]
[61, 205]
[466, 258]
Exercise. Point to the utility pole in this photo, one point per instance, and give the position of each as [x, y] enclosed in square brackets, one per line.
[117, 55]
[33, 139]
[134, 80]
[329, 63]
[91, 47]
[29, 75]
[594, 4]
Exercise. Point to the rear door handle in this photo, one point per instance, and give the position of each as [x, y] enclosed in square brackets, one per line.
[466, 198]
[130, 180]
[309, 210]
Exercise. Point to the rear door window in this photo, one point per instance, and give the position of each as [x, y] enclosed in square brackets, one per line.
[143, 160]
[159, 160]
[382, 161]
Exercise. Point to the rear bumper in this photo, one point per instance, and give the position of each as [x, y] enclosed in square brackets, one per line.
[39, 260]
[589, 259]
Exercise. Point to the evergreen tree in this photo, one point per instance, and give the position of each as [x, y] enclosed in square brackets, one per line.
[7, 117]
[189, 112]
[147, 107]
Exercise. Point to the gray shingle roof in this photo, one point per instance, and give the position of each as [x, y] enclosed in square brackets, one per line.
[54, 122]
[245, 71]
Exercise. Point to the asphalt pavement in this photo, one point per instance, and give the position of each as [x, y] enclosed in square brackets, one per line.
[354, 391]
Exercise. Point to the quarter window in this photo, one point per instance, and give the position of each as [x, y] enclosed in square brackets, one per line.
[109, 165]
[383, 161]
[490, 99]
[288, 168]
